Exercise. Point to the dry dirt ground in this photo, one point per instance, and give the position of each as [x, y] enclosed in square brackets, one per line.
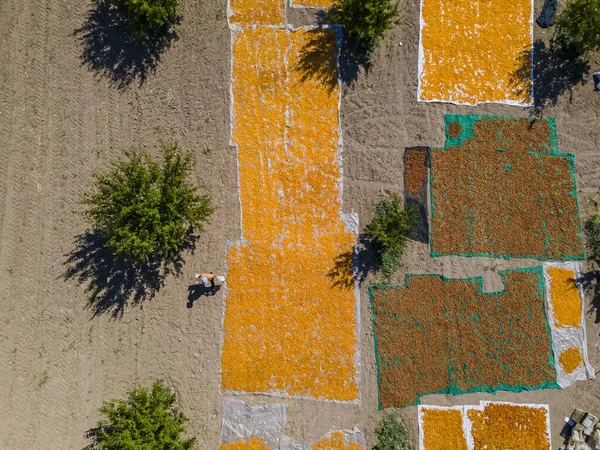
[62, 118]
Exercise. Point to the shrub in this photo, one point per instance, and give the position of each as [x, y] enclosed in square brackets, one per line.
[146, 210]
[145, 420]
[578, 26]
[365, 21]
[389, 231]
[592, 228]
[391, 434]
[146, 15]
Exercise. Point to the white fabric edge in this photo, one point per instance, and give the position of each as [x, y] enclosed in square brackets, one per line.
[573, 335]
[468, 425]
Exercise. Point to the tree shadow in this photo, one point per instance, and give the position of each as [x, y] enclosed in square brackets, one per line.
[355, 265]
[557, 68]
[111, 50]
[318, 59]
[112, 282]
[416, 166]
[331, 57]
[92, 435]
[590, 281]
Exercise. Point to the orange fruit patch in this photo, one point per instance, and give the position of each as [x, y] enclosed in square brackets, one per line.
[564, 296]
[288, 329]
[570, 359]
[443, 430]
[336, 441]
[476, 51]
[502, 426]
[247, 444]
[246, 13]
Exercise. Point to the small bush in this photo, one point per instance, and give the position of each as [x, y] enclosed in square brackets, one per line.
[578, 26]
[365, 21]
[145, 210]
[592, 228]
[391, 434]
[145, 420]
[146, 15]
[389, 231]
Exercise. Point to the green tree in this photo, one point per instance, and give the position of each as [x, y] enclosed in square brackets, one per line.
[389, 231]
[146, 210]
[146, 15]
[365, 21]
[391, 434]
[578, 26]
[146, 420]
[592, 228]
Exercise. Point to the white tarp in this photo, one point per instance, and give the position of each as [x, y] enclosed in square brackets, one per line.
[467, 424]
[354, 436]
[565, 337]
[267, 422]
[240, 421]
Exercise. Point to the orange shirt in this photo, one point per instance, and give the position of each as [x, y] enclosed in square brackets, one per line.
[209, 276]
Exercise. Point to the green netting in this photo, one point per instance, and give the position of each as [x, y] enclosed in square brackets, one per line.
[571, 241]
[461, 345]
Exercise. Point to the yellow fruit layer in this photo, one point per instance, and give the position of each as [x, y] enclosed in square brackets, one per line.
[443, 430]
[245, 13]
[314, 3]
[500, 426]
[250, 444]
[564, 296]
[334, 442]
[287, 328]
[570, 359]
[476, 50]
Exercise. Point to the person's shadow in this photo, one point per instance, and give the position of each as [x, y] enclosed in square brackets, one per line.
[195, 291]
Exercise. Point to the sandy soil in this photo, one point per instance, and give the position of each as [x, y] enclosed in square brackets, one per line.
[60, 121]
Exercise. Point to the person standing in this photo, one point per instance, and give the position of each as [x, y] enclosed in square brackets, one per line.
[205, 278]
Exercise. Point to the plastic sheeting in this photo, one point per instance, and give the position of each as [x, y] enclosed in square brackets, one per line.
[467, 424]
[350, 437]
[240, 422]
[267, 423]
[565, 337]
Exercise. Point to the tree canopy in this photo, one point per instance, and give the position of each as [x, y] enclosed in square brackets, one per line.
[145, 420]
[146, 210]
[365, 21]
[389, 231]
[578, 26]
[145, 15]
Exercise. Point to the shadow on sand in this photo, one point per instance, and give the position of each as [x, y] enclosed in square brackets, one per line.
[556, 69]
[114, 283]
[112, 51]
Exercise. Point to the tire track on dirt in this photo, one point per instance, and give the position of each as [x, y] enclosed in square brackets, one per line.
[20, 237]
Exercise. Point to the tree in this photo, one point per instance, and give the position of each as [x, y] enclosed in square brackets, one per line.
[592, 228]
[391, 434]
[365, 21]
[146, 15]
[578, 26]
[145, 210]
[389, 231]
[146, 420]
